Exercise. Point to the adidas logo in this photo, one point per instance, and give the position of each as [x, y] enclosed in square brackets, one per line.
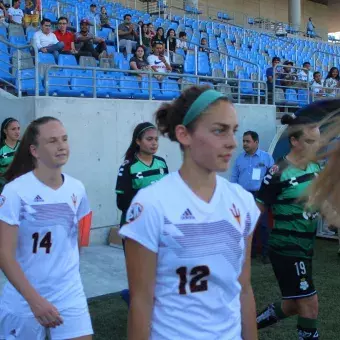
[38, 199]
[187, 215]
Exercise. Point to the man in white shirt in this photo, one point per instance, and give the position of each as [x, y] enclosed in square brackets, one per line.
[46, 41]
[16, 15]
[306, 74]
[159, 62]
[317, 85]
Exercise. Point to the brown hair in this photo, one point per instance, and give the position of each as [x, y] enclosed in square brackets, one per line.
[24, 161]
[324, 192]
[169, 115]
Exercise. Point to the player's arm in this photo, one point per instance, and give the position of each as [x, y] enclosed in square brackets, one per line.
[248, 309]
[141, 267]
[124, 190]
[46, 313]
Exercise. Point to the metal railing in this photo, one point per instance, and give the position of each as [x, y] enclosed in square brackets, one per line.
[21, 60]
[325, 53]
[279, 39]
[60, 12]
[288, 90]
[148, 84]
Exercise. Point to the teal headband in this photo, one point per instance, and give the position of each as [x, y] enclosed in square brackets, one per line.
[201, 104]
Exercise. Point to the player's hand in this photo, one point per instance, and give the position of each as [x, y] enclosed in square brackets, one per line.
[46, 314]
[44, 50]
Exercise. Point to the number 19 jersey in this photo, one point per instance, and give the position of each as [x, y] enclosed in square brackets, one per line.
[47, 248]
[200, 255]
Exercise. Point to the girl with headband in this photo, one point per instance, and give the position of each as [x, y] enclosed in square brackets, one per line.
[140, 169]
[188, 237]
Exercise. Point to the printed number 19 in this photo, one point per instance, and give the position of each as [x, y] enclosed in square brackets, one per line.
[300, 268]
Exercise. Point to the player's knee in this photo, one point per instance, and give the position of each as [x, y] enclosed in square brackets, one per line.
[289, 307]
[308, 307]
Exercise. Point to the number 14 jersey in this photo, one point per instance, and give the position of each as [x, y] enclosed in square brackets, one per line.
[201, 251]
[47, 248]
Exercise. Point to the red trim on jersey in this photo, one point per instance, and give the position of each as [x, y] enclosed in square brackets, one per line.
[84, 230]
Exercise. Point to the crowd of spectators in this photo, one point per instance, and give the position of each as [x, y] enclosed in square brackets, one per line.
[300, 77]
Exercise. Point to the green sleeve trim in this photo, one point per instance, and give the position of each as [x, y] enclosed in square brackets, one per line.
[260, 201]
[119, 192]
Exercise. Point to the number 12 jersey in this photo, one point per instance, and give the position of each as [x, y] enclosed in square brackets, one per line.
[47, 248]
[201, 251]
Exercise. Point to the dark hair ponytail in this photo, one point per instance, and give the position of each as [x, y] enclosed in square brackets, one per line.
[4, 126]
[137, 134]
[24, 161]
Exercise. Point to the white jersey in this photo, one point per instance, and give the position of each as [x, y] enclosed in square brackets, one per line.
[17, 14]
[201, 252]
[47, 249]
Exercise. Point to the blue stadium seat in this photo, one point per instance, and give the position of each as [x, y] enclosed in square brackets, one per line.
[82, 87]
[3, 47]
[130, 87]
[67, 60]
[189, 64]
[59, 84]
[51, 16]
[291, 97]
[302, 97]
[247, 88]
[107, 86]
[5, 72]
[27, 82]
[46, 58]
[169, 90]
[3, 32]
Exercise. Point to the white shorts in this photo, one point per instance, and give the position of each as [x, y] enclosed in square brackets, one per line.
[76, 324]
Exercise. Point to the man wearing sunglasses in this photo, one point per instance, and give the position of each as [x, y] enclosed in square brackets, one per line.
[63, 35]
[46, 41]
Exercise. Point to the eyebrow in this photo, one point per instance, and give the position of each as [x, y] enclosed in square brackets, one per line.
[225, 126]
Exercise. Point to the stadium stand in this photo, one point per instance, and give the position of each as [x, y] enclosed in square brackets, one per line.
[234, 60]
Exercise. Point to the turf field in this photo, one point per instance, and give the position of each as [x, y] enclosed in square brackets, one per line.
[109, 313]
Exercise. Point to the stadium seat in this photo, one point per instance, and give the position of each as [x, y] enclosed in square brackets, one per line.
[5, 73]
[59, 84]
[291, 97]
[28, 82]
[129, 88]
[87, 62]
[169, 90]
[46, 58]
[302, 97]
[3, 32]
[82, 86]
[107, 86]
[67, 60]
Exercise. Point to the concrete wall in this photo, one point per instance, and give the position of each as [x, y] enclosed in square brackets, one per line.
[100, 131]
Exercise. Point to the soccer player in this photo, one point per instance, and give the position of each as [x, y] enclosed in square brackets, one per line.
[9, 140]
[140, 169]
[292, 239]
[188, 237]
[40, 209]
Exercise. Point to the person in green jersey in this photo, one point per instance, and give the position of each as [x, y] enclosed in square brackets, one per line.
[292, 239]
[9, 143]
[140, 168]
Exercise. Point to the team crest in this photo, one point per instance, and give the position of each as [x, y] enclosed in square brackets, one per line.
[236, 213]
[74, 200]
[304, 284]
[274, 169]
[134, 212]
[161, 171]
[2, 200]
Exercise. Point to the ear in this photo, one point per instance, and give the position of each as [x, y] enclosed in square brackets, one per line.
[33, 151]
[183, 136]
[137, 141]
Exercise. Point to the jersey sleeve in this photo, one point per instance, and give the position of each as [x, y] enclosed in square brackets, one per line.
[84, 208]
[270, 187]
[144, 221]
[10, 206]
[124, 189]
[254, 214]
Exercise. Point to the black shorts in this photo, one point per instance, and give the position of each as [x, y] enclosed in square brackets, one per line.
[294, 276]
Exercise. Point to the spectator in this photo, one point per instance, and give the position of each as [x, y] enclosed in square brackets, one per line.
[182, 42]
[31, 15]
[159, 36]
[288, 78]
[127, 35]
[270, 73]
[310, 28]
[104, 19]
[139, 62]
[140, 23]
[3, 15]
[65, 36]
[280, 30]
[249, 170]
[46, 41]
[317, 84]
[93, 17]
[151, 30]
[306, 74]
[85, 39]
[204, 43]
[146, 39]
[159, 62]
[15, 14]
[171, 36]
[332, 81]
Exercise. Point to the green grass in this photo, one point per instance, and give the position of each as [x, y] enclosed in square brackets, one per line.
[109, 313]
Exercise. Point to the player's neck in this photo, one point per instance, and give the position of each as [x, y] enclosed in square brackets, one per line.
[297, 159]
[50, 177]
[11, 143]
[201, 182]
[145, 158]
